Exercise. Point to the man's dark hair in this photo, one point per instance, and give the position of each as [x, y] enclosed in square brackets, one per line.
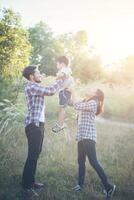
[63, 59]
[29, 70]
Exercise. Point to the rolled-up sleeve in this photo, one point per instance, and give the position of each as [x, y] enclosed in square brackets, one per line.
[86, 106]
[46, 91]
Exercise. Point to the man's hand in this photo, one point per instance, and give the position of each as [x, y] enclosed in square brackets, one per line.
[61, 76]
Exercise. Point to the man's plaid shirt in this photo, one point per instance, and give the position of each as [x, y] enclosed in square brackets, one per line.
[35, 99]
[86, 120]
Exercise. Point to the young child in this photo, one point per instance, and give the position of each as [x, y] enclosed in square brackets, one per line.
[86, 137]
[65, 93]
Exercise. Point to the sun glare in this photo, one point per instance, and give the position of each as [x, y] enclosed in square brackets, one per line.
[113, 43]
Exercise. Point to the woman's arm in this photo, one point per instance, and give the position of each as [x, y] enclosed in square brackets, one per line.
[86, 106]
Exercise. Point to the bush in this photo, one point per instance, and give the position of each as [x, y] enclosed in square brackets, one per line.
[11, 115]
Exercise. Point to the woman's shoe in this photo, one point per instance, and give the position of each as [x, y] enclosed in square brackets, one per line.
[77, 188]
[110, 192]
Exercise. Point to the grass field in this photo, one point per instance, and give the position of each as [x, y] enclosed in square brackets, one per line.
[57, 166]
[119, 100]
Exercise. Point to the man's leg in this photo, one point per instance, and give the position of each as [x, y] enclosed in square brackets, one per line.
[38, 185]
[42, 128]
[64, 97]
[61, 117]
[34, 141]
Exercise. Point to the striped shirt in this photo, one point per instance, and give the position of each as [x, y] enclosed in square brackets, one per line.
[35, 99]
[86, 120]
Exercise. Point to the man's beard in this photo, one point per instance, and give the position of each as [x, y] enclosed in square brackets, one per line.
[38, 81]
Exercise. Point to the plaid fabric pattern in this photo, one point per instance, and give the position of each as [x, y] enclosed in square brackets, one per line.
[35, 99]
[86, 120]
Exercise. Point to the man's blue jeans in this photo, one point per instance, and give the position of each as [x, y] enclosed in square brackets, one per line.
[35, 137]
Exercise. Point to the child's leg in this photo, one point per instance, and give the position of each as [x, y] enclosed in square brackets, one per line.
[73, 94]
[64, 97]
[91, 153]
[61, 116]
[81, 163]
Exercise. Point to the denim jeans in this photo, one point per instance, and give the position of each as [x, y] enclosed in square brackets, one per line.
[35, 137]
[64, 97]
[86, 147]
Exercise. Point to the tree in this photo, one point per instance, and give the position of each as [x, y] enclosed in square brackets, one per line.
[44, 50]
[86, 63]
[81, 38]
[14, 53]
[128, 68]
[87, 68]
[14, 46]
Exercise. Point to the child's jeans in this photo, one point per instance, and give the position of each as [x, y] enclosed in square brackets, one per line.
[64, 97]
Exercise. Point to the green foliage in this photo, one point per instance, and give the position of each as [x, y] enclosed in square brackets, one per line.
[46, 48]
[72, 43]
[128, 69]
[10, 89]
[11, 115]
[65, 44]
[42, 41]
[87, 67]
[14, 46]
[119, 103]
[85, 63]
[121, 72]
[5, 89]
[81, 38]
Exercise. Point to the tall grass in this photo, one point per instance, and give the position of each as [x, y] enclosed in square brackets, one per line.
[11, 115]
[119, 100]
[57, 165]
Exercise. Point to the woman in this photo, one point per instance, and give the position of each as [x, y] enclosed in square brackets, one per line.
[86, 137]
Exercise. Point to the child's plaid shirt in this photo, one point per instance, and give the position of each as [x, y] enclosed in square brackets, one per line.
[86, 120]
[35, 99]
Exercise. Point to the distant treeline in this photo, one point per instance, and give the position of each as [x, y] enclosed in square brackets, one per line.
[39, 45]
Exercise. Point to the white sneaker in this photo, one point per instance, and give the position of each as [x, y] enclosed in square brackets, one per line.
[77, 188]
[56, 128]
[110, 192]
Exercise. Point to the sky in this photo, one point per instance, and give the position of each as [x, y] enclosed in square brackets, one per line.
[109, 23]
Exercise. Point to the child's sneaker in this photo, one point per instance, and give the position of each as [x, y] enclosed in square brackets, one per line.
[77, 188]
[29, 193]
[58, 128]
[110, 192]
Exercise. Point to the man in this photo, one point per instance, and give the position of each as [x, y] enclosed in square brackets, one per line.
[34, 125]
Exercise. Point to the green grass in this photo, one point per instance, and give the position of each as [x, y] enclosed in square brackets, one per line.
[57, 166]
[119, 100]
